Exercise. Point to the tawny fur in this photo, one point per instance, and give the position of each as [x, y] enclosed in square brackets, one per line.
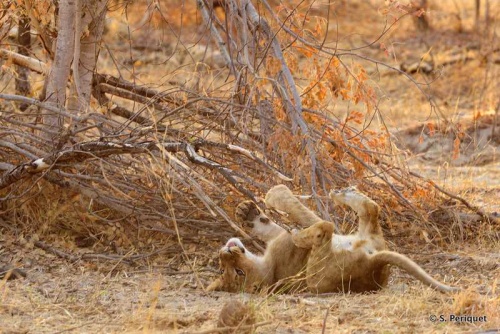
[357, 263]
[281, 267]
[283, 264]
[369, 234]
[251, 218]
[282, 199]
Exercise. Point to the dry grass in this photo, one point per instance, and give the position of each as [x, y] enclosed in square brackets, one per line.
[95, 297]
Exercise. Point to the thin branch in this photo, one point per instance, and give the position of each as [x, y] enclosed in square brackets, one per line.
[75, 258]
[209, 19]
[77, 153]
[479, 211]
[126, 94]
[43, 105]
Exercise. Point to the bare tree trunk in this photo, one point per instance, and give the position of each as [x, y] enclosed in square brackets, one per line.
[58, 78]
[24, 47]
[86, 51]
[80, 27]
[478, 13]
[487, 17]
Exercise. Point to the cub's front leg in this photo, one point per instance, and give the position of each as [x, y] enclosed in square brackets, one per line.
[257, 222]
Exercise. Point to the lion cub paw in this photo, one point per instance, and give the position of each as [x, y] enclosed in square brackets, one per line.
[248, 213]
[251, 217]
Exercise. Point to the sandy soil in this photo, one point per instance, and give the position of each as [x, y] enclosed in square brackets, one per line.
[79, 297]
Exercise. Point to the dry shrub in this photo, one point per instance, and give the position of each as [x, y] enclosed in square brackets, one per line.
[174, 160]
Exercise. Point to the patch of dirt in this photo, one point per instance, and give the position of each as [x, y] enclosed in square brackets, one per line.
[102, 297]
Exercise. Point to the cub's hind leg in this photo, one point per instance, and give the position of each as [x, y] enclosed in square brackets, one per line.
[282, 199]
[252, 218]
[366, 209]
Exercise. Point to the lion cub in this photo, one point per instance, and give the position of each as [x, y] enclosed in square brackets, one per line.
[359, 262]
[280, 268]
[283, 264]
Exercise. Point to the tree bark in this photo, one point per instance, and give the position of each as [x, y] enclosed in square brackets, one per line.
[58, 78]
[88, 32]
[24, 47]
[478, 13]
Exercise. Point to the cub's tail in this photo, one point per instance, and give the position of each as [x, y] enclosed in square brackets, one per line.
[403, 262]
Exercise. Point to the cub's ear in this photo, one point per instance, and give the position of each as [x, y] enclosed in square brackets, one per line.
[215, 285]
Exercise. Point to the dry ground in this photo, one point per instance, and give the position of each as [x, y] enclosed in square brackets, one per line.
[164, 293]
[78, 297]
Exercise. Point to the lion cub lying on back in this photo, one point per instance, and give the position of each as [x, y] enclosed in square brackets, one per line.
[283, 264]
[359, 262]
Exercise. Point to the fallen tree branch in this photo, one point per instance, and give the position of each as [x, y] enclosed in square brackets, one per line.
[56, 252]
[77, 153]
[126, 94]
[25, 61]
[132, 87]
[99, 149]
[86, 150]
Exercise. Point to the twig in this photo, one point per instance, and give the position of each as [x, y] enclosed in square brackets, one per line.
[72, 328]
[46, 106]
[323, 329]
[209, 20]
[479, 211]
[9, 272]
[55, 251]
[251, 155]
[173, 272]
[196, 158]
[74, 258]
[319, 295]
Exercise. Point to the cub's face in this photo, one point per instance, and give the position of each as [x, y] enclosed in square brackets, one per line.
[237, 271]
